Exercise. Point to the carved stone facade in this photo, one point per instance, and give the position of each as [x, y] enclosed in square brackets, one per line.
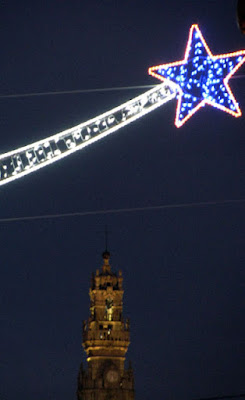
[106, 341]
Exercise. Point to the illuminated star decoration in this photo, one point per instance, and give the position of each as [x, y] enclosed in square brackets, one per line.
[201, 78]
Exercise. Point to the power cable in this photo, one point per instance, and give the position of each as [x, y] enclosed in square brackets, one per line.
[108, 89]
[96, 90]
[123, 210]
[235, 396]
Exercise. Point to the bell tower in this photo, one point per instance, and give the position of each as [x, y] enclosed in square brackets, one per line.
[106, 340]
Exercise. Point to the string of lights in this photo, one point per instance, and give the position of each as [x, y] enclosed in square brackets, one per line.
[199, 79]
[22, 161]
[202, 78]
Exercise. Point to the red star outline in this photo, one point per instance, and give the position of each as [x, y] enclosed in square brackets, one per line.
[236, 113]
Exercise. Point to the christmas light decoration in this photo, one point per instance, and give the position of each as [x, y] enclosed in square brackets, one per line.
[199, 79]
[23, 161]
[202, 78]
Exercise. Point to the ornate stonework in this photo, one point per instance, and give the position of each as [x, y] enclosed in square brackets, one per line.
[106, 341]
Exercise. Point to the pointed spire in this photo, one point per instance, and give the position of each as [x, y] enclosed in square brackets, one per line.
[106, 239]
[106, 266]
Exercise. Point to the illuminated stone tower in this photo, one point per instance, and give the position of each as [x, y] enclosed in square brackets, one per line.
[106, 340]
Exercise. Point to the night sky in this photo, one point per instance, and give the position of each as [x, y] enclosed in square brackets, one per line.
[183, 268]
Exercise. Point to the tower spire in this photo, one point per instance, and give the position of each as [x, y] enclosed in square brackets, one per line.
[106, 254]
[106, 238]
[106, 337]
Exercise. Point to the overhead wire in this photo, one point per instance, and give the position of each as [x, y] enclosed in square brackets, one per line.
[77, 91]
[80, 91]
[230, 396]
[123, 210]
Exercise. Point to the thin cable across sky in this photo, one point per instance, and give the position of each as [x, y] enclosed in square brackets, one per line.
[80, 91]
[55, 93]
[123, 210]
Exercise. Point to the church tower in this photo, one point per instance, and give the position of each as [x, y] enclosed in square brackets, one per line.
[106, 340]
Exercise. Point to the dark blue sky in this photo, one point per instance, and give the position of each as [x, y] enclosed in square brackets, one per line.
[183, 268]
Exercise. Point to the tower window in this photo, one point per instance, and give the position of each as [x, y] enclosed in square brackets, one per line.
[109, 309]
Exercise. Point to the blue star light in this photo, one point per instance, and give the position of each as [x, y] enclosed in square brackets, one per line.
[201, 78]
